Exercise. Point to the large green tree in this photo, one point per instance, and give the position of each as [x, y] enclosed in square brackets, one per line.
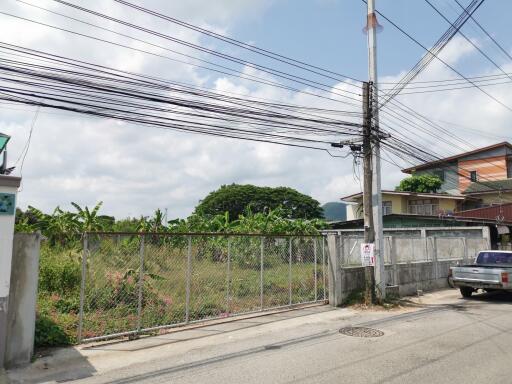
[236, 199]
[420, 183]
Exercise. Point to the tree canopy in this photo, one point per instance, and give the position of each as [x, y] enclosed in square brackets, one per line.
[236, 199]
[420, 183]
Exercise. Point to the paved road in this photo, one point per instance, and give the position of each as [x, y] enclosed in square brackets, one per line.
[444, 340]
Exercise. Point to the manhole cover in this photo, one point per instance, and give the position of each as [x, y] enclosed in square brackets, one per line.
[361, 332]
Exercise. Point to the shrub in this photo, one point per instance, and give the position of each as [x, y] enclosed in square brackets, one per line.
[49, 334]
[59, 271]
[123, 289]
[68, 304]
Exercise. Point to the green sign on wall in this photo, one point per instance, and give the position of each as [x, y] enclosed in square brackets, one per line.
[7, 204]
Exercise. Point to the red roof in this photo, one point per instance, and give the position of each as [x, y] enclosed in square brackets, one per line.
[452, 158]
[498, 212]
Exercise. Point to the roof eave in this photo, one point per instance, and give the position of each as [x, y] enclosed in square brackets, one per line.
[452, 158]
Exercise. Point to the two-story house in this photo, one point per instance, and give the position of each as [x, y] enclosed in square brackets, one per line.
[476, 179]
[483, 176]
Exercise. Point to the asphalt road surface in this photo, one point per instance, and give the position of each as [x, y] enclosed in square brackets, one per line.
[443, 339]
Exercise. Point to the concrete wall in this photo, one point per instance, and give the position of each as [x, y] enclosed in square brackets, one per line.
[22, 299]
[415, 258]
[8, 184]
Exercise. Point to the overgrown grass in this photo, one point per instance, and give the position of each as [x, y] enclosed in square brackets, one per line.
[112, 284]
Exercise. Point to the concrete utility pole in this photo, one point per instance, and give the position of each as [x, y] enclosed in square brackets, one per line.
[369, 234]
[380, 277]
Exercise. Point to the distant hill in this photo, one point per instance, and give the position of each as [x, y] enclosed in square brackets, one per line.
[335, 211]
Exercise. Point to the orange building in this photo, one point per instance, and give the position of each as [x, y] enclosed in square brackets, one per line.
[483, 176]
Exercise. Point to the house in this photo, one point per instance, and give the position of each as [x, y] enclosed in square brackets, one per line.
[403, 203]
[483, 176]
[471, 180]
[476, 188]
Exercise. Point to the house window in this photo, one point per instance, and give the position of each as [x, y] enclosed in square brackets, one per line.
[387, 207]
[440, 174]
[428, 207]
[473, 176]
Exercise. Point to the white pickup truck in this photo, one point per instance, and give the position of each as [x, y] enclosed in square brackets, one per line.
[491, 271]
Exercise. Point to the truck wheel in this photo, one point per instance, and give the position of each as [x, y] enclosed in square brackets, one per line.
[466, 292]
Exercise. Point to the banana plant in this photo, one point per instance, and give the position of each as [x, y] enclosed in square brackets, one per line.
[89, 220]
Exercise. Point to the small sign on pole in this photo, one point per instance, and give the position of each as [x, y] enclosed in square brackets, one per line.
[367, 255]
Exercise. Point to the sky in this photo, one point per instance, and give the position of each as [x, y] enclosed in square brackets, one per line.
[134, 170]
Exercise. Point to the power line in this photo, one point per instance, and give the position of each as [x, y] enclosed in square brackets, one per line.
[66, 90]
[452, 88]
[27, 146]
[309, 83]
[87, 23]
[213, 52]
[488, 81]
[488, 34]
[238, 43]
[466, 38]
[462, 81]
[434, 51]
[280, 103]
[438, 58]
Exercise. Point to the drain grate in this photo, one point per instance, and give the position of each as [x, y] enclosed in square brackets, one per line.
[361, 332]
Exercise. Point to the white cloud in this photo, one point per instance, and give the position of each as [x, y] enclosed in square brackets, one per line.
[136, 169]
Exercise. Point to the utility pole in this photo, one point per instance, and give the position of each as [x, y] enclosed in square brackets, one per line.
[380, 277]
[369, 234]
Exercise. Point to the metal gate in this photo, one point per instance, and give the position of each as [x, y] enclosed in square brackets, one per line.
[143, 283]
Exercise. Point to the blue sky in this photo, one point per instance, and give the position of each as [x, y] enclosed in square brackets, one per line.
[329, 33]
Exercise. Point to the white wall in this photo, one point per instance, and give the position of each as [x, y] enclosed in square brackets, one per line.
[6, 233]
[352, 213]
[8, 184]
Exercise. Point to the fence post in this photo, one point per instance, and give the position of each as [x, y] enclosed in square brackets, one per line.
[323, 265]
[82, 289]
[425, 244]
[341, 244]
[290, 271]
[316, 279]
[465, 256]
[435, 263]
[189, 275]
[228, 305]
[335, 273]
[141, 283]
[413, 255]
[393, 260]
[486, 235]
[261, 270]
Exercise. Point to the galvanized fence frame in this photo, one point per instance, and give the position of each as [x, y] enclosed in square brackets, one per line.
[298, 293]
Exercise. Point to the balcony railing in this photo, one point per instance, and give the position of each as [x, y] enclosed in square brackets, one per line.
[425, 209]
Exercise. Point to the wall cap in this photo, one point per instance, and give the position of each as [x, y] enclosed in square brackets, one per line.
[10, 181]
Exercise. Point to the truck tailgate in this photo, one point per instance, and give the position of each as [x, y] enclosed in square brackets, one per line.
[477, 274]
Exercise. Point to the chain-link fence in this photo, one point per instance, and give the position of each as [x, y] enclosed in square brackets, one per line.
[142, 283]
